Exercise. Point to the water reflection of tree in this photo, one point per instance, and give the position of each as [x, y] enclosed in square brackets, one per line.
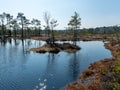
[15, 51]
[12, 55]
[25, 46]
[16, 42]
[3, 41]
[74, 66]
[51, 62]
[23, 56]
[51, 58]
[10, 40]
[50, 67]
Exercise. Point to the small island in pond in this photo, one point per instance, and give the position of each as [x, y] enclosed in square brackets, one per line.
[55, 48]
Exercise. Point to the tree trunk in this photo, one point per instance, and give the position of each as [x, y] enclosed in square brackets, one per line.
[22, 31]
[39, 31]
[3, 34]
[53, 37]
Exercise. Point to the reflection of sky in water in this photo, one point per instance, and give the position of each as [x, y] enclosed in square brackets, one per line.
[21, 69]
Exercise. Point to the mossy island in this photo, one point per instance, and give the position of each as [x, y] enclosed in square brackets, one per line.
[56, 48]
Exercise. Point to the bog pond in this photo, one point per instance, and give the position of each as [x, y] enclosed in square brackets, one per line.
[21, 69]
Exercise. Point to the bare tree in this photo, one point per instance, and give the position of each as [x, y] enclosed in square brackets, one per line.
[47, 18]
[53, 24]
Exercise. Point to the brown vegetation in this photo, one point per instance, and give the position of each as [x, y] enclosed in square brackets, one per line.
[55, 48]
[75, 86]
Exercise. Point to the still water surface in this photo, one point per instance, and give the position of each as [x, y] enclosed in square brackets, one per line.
[21, 69]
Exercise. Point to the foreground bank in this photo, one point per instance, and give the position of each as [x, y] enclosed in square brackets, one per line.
[101, 75]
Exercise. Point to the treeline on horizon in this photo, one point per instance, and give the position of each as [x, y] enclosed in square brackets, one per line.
[22, 26]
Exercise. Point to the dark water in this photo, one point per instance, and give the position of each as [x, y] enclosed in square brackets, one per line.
[21, 69]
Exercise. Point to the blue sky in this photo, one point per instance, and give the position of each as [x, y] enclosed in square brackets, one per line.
[93, 13]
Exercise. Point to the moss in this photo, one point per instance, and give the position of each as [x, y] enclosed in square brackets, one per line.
[116, 68]
[117, 63]
[95, 85]
[104, 71]
[55, 48]
[75, 86]
[104, 37]
[118, 54]
[114, 85]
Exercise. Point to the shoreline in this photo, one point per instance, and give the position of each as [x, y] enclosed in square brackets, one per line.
[100, 74]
